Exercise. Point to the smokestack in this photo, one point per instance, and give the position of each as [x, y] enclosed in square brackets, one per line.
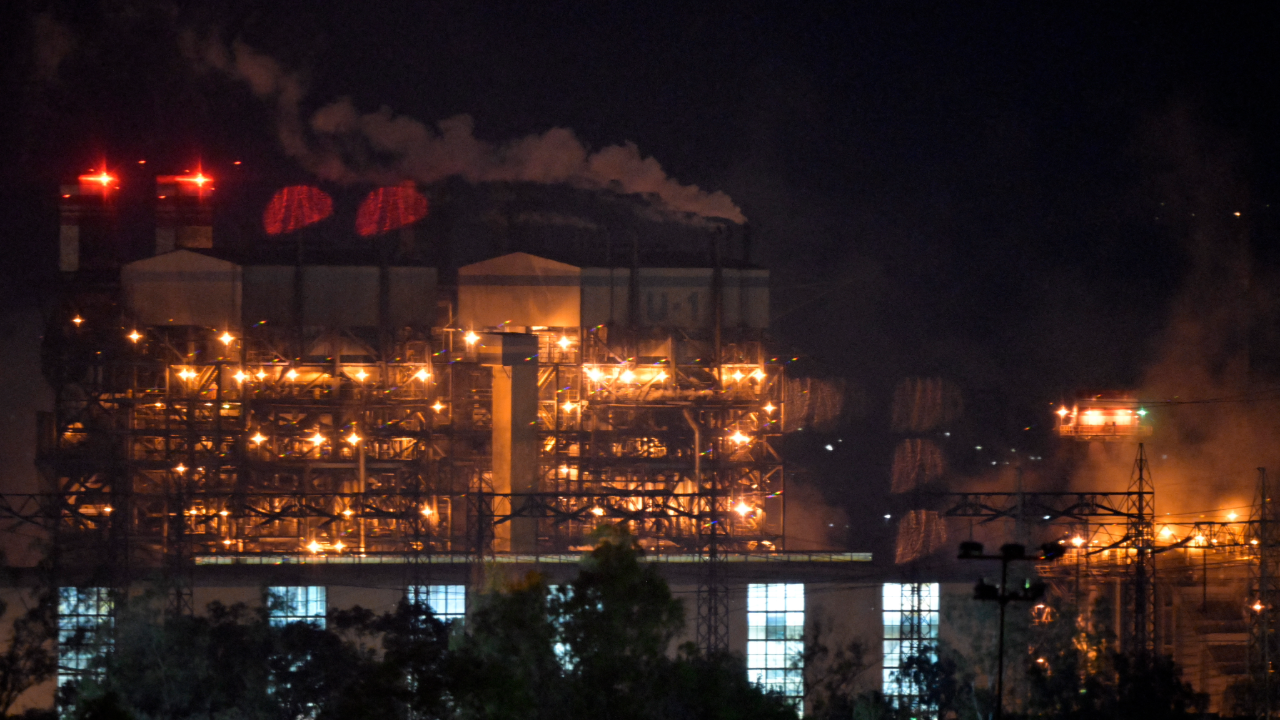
[90, 202]
[184, 213]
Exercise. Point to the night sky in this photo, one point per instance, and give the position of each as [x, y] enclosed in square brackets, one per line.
[1009, 196]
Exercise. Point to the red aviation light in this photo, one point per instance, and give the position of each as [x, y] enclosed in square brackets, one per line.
[389, 208]
[296, 207]
[102, 182]
[197, 184]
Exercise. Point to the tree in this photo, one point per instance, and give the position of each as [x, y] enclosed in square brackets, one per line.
[30, 658]
[598, 648]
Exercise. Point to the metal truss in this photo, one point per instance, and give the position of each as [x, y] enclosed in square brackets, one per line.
[169, 445]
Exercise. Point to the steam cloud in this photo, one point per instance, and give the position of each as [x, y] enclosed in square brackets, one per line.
[340, 143]
[1214, 379]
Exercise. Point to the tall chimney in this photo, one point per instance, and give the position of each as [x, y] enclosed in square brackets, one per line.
[184, 213]
[91, 201]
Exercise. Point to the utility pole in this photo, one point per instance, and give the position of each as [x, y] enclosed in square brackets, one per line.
[1031, 592]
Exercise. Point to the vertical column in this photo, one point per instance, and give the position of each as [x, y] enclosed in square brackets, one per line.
[514, 359]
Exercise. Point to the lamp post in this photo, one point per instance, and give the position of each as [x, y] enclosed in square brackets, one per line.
[1030, 592]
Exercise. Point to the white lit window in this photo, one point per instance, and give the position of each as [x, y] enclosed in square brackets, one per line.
[447, 602]
[298, 603]
[775, 639]
[84, 625]
[910, 625]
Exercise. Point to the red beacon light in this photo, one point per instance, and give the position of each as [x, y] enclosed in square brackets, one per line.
[101, 182]
[185, 185]
[1111, 417]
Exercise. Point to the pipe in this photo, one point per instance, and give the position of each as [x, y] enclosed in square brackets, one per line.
[697, 445]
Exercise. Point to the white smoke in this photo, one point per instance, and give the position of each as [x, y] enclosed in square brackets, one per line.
[343, 144]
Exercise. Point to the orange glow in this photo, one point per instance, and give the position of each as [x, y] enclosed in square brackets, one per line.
[739, 438]
[597, 511]
[1077, 541]
[1062, 412]
[1258, 606]
[422, 374]
[390, 208]
[471, 338]
[296, 207]
[769, 408]
[135, 336]
[438, 406]
[743, 509]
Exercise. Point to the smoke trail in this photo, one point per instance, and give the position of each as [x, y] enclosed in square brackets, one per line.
[916, 463]
[1217, 344]
[924, 404]
[340, 143]
[813, 403]
[920, 532]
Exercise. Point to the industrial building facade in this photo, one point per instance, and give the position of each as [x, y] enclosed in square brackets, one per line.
[351, 432]
[345, 431]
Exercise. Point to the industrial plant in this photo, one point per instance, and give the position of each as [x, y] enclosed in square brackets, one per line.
[349, 422]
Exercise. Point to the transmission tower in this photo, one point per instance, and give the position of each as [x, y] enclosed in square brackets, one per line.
[1264, 648]
[1140, 631]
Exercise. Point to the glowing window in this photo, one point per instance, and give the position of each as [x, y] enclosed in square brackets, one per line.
[296, 207]
[389, 208]
[910, 626]
[448, 602]
[775, 639]
[84, 624]
[297, 603]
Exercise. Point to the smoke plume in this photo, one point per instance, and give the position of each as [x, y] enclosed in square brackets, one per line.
[339, 142]
[1212, 389]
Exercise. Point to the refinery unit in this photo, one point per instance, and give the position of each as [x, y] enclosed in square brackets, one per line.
[225, 421]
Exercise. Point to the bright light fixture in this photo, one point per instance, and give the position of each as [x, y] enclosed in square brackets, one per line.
[568, 406]
[742, 508]
[77, 320]
[471, 337]
[627, 376]
[422, 374]
[597, 511]
[438, 406]
[292, 374]
[240, 376]
[739, 438]
[564, 342]
[135, 336]
[314, 547]
[317, 438]
[361, 374]
[769, 408]
[353, 438]
[180, 468]
[227, 338]
[257, 438]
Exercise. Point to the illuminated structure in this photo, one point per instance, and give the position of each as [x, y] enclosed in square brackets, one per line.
[211, 412]
[1107, 417]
